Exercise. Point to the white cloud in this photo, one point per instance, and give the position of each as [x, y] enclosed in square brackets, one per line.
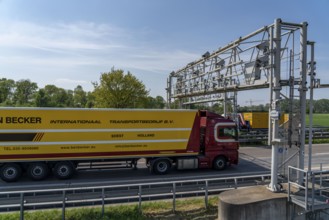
[59, 38]
[83, 40]
[75, 53]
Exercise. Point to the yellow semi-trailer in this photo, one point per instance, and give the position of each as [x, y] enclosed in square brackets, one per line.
[259, 120]
[43, 140]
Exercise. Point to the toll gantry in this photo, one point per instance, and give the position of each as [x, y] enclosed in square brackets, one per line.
[273, 57]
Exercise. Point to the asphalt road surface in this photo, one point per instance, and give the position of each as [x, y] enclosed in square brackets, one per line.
[253, 160]
[320, 154]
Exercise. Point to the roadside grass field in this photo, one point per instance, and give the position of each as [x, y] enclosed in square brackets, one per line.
[319, 120]
[189, 208]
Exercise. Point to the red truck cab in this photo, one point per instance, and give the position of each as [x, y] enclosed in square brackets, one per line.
[218, 141]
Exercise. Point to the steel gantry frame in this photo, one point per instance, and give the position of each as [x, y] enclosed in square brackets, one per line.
[263, 59]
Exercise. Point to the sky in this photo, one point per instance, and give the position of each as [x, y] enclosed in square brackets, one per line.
[71, 42]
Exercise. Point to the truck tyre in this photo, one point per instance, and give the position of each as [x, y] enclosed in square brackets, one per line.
[161, 166]
[63, 170]
[38, 171]
[219, 163]
[10, 172]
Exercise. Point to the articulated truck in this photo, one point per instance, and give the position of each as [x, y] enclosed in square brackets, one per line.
[39, 141]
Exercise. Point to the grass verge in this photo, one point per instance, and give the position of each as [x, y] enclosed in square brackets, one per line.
[185, 209]
[319, 120]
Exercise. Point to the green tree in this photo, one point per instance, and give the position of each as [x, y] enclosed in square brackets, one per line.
[321, 106]
[70, 98]
[160, 103]
[41, 99]
[156, 103]
[80, 97]
[24, 92]
[217, 108]
[52, 96]
[7, 87]
[52, 93]
[90, 100]
[61, 98]
[119, 90]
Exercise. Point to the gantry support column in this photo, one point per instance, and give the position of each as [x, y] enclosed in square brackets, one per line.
[276, 42]
[302, 96]
[310, 133]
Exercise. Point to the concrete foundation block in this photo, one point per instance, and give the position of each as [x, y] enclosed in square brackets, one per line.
[255, 203]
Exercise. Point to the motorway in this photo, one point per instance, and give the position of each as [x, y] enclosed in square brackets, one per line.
[320, 154]
[253, 160]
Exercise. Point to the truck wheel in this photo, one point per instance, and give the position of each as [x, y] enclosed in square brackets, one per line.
[38, 171]
[161, 166]
[63, 170]
[10, 172]
[219, 163]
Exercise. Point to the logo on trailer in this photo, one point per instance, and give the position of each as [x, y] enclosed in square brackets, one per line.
[20, 120]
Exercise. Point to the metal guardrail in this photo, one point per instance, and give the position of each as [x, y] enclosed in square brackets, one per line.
[309, 194]
[262, 135]
[102, 195]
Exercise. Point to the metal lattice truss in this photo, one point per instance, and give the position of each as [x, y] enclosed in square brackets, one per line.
[243, 64]
[271, 57]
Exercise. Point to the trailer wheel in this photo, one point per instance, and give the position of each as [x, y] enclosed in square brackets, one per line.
[38, 171]
[63, 170]
[219, 163]
[10, 172]
[161, 166]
